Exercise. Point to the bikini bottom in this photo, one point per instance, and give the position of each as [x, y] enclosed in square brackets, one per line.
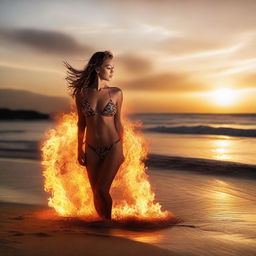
[102, 151]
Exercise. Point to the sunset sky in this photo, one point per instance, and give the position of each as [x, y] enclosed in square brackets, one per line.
[169, 56]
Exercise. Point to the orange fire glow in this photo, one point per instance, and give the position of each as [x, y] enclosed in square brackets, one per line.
[67, 181]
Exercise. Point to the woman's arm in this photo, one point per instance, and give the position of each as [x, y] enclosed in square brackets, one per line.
[117, 116]
[81, 124]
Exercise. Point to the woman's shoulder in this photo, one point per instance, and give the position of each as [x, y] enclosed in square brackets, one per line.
[115, 89]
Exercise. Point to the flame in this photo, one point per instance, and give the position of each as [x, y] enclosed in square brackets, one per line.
[67, 182]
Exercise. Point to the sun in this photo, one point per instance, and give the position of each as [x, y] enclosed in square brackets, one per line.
[224, 97]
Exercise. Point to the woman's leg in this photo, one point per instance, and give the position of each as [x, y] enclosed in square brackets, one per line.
[105, 177]
[93, 165]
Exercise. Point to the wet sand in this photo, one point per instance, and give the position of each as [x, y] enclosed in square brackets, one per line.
[28, 230]
[219, 214]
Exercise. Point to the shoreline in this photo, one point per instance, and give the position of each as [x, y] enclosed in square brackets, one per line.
[202, 166]
[164, 162]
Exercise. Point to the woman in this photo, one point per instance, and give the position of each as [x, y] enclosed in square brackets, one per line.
[99, 110]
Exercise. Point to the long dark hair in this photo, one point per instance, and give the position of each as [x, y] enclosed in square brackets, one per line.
[79, 80]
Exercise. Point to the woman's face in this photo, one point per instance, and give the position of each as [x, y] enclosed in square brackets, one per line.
[106, 70]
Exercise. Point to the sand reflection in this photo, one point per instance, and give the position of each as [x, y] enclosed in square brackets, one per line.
[152, 237]
[230, 203]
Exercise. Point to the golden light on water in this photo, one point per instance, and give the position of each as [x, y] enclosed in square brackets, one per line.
[222, 149]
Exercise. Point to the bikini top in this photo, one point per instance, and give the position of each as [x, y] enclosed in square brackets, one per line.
[109, 110]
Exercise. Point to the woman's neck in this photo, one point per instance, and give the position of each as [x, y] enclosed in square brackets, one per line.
[99, 85]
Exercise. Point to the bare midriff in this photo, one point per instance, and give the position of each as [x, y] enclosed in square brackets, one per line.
[100, 130]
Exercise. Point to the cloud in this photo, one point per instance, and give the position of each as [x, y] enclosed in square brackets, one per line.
[236, 67]
[178, 82]
[182, 49]
[181, 45]
[134, 63]
[247, 80]
[47, 41]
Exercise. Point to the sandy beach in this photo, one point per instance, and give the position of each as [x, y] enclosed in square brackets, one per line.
[218, 213]
[24, 231]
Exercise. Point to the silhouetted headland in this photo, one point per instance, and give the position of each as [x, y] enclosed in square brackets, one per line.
[8, 114]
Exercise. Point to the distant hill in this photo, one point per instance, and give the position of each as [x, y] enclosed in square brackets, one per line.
[7, 114]
[15, 99]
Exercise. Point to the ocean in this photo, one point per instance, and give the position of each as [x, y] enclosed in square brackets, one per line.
[223, 137]
[229, 137]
